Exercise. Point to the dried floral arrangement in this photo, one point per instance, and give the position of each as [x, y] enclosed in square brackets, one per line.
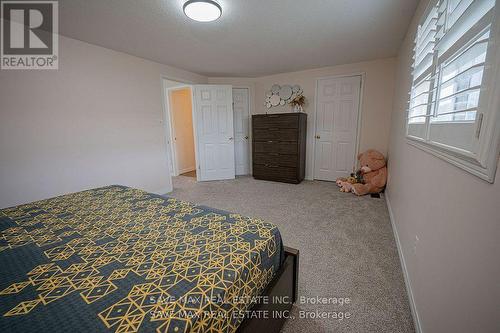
[298, 102]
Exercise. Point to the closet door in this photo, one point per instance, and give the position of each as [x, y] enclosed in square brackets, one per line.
[336, 127]
[241, 130]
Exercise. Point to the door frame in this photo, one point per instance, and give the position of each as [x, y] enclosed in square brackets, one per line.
[167, 121]
[174, 153]
[362, 75]
[250, 113]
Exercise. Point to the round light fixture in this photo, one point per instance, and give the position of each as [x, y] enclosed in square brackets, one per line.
[202, 10]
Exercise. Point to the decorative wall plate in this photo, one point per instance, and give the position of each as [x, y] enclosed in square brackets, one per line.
[275, 89]
[275, 100]
[285, 92]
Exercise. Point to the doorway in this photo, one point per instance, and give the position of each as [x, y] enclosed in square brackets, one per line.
[200, 123]
[180, 115]
[337, 119]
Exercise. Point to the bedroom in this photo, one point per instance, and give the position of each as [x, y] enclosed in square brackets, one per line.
[96, 115]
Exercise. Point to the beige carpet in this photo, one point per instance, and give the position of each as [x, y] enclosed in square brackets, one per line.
[347, 248]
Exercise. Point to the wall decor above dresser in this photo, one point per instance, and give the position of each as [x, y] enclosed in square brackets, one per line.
[279, 146]
[286, 94]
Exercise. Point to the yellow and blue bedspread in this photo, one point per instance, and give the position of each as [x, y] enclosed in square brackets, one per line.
[123, 260]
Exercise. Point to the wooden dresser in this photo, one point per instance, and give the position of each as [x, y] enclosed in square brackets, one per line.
[279, 147]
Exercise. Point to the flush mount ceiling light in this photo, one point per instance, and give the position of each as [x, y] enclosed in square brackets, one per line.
[202, 10]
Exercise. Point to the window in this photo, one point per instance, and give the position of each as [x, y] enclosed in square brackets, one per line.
[454, 99]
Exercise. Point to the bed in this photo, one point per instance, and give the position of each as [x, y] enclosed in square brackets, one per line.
[119, 259]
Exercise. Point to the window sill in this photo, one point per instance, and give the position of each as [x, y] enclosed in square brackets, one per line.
[465, 163]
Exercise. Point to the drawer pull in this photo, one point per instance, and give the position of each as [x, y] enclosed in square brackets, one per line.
[273, 115]
[273, 129]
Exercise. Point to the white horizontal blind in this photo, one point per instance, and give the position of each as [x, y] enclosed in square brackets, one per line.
[425, 44]
[449, 61]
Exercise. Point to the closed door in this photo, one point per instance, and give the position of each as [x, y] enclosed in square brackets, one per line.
[241, 130]
[213, 107]
[337, 112]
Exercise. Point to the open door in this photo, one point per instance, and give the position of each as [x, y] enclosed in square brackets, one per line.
[214, 134]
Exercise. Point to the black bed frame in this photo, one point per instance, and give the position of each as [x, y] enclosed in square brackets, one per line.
[285, 287]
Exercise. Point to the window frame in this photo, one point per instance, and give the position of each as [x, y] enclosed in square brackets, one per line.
[483, 162]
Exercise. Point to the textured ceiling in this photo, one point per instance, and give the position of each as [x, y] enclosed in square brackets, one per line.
[252, 38]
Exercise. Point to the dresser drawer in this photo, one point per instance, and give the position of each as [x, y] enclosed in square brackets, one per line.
[273, 159]
[271, 146]
[276, 121]
[274, 172]
[279, 134]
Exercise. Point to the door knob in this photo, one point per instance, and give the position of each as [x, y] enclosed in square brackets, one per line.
[246, 137]
[318, 137]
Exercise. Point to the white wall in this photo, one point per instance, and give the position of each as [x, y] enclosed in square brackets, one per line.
[454, 269]
[376, 105]
[96, 121]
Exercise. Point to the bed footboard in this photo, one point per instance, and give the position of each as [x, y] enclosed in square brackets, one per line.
[270, 314]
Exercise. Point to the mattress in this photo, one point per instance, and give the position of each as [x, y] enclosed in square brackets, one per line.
[119, 259]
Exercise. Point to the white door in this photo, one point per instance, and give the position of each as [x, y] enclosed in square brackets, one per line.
[337, 111]
[213, 116]
[241, 132]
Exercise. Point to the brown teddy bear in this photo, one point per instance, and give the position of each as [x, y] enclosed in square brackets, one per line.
[374, 173]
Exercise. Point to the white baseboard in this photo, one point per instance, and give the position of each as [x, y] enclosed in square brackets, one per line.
[413, 307]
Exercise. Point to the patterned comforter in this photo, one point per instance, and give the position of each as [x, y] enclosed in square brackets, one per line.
[123, 260]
